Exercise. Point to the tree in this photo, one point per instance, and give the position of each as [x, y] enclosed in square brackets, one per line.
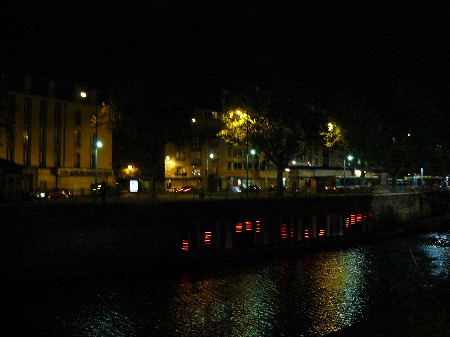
[399, 134]
[359, 129]
[108, 115]
[270, 121]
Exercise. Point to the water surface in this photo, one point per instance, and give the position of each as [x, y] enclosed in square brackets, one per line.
[398, 287]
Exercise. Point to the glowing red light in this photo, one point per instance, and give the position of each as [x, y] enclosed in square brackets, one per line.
[257, 226]
[185, 246]
[207, 238]
[283, 230]
[306, 233]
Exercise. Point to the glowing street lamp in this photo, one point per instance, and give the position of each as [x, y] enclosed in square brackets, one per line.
[98, 145]
[350, 158]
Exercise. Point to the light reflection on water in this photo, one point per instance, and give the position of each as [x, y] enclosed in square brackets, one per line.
[310, 294]
[314, 295]
[437, 248]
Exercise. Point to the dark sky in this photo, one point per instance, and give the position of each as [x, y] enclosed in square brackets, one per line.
[193, 48]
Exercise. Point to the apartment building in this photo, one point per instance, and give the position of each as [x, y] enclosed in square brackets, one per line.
[51, 133]
[205, 161]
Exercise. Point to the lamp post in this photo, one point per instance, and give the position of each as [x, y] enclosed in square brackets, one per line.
[350, 158]
[98, 145]
[210, 155]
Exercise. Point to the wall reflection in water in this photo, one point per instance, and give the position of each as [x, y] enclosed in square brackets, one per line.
[313, 295]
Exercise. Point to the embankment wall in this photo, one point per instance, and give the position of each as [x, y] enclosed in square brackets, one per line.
[57, 238]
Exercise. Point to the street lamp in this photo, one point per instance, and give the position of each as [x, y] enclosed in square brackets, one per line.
[211, 155]
[98, 145]
[350, 158]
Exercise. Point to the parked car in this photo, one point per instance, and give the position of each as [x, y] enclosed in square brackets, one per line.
[252, 188]
[191, 189]
[58, 193]
[329, 189]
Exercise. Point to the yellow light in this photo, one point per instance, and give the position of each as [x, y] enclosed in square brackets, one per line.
[83, 94]
[130, 167]
[168, 158]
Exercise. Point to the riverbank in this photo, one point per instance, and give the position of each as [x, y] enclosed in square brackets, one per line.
[67, 239]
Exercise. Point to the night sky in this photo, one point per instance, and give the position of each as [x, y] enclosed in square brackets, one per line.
[191, 49]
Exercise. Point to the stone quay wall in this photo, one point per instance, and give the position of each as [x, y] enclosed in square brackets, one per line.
[45, 239]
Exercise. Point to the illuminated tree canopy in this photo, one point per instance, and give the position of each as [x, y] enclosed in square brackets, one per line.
[108, 115]
[268, 125]
[238, 124]
[334, 136]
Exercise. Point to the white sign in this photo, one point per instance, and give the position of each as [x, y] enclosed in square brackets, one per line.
[134, 186]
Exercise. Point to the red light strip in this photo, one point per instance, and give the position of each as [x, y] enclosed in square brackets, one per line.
[258, 226]
[207, 238]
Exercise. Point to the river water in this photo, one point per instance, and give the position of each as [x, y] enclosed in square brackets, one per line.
[392, 287]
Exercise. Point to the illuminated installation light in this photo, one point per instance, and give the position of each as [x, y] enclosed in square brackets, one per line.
[207, 238]
[347, 222]
[185, 246]
[352, 219]
[257, 226]
[283, 230]
[248, 226]
[322, 232]
[306, 233]
[239, 227]
[292, 233]
[359, 217]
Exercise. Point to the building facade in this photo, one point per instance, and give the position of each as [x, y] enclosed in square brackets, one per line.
[207, 162]
[51, 133]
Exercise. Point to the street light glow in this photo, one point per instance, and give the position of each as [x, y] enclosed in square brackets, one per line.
[83, 94]
[99, 144]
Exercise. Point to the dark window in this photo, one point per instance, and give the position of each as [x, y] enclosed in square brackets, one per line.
[42, 158]
[76, 160]
[77, 118]
[27, 110]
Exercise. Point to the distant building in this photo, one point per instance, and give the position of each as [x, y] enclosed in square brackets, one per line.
[203, 160]
[51, 134]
